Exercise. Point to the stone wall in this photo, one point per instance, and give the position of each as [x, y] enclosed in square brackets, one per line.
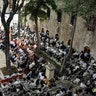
[82, 36]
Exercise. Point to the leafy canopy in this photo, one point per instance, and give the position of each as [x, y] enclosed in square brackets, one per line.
[86, 8]
[39, 8]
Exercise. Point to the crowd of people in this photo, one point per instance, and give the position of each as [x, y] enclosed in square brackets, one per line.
[34, 82]
[32, 67]
[81, 67]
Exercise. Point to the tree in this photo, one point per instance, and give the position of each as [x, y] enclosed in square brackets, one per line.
[15, 6]
[39, 9]
[84, 8]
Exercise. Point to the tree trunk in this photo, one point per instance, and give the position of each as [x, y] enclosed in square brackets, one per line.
[18, 29]
[8, 65]
[37, 33]
[16, 5]
[66, 58]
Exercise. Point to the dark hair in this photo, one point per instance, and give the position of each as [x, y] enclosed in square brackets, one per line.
[1, 94]
[39, 89]
[57, 91]
[48, 94]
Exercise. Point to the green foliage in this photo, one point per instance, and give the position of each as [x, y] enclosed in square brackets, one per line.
[38, 8]
[86, 8]
[42, 14]
[52, 4]
[69, 6]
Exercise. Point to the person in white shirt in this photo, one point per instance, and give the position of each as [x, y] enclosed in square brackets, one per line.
[94, 76]
[7, 76]
[12, 43]
[82, 85]
[31, 65]
[76, 81]
[74, 94]
[42, 77]
[40, 59]
[32, 83]
[76, 68]
[85, 73]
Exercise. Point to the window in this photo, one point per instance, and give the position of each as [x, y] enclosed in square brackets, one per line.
[48, 13]
[92, 23]
[72, 18]
[59, 15]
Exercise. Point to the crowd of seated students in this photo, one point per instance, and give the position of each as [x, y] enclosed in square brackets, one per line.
[35, 82]
[82, 66]
[29, 85]
[22, 55]
[14, 76]
[83, 72]
[53, 46]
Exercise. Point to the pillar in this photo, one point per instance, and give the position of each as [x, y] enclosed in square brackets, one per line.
[50, 68]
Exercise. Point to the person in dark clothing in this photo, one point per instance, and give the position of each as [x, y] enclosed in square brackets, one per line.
[42, 83]
[1, 94]
[13, 88]
[48, 94]
[21, 87]
[37, 82]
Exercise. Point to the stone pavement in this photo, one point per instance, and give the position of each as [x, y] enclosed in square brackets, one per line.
[2, 59]
[2, 62]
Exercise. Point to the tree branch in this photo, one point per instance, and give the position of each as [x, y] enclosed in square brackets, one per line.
[21, 4]
[13, 5]
[15, 8]
[5, 5]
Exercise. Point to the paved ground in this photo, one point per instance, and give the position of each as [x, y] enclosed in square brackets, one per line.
[2, 62]
[2, 59]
